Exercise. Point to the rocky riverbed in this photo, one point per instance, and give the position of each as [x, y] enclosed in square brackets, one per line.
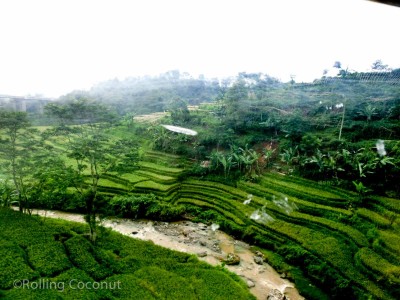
[209, 244]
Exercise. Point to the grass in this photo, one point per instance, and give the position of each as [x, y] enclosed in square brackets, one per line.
[380, 269]
[389, 203]
[111, 183]
[158, 169]
[391, 240]
[133, 177]
[149, 185]
[373, 217]
[313, 188]
[205, 204]
[156, 177]
[316, 226]
[308, 206]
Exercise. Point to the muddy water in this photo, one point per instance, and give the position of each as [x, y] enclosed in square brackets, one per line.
[199, 239]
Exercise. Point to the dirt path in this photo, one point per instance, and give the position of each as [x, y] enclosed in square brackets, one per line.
[210, 245]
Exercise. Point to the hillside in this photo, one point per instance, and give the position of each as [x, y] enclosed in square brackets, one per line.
[344, 250]
[312, 227]
[308, 173]
[49, 259]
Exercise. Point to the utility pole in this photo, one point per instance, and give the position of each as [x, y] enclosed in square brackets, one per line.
[341, 123]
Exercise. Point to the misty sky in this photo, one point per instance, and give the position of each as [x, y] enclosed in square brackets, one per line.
[52, 47]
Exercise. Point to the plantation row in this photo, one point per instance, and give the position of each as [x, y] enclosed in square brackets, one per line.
[132, 269]
[340, 243]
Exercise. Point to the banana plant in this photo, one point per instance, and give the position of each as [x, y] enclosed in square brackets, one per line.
[222, 159]
[289, 155]
[368, 112]
[268, 156]
[319, 160]
[361, 190]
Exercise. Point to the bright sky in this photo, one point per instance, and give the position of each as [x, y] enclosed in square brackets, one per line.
[53, 47]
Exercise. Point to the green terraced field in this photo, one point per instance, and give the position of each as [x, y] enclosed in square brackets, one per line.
[335, 246]
[322, 225]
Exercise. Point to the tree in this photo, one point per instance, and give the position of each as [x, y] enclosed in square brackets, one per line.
[17, 149]
[93, 151]
[180, 114]
[237, 108]
[337, 65]
[6, 193]
[379, 66]
[128, 119]
[37, 175]
[52, 179]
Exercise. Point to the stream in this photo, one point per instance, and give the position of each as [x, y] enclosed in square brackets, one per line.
[209, 245]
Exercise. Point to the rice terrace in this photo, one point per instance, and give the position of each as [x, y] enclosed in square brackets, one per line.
[302, 177]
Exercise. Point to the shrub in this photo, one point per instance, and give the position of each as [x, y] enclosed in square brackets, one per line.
[165, 211]
[132, 206]
[206, 205]
[13, 265]
[213, 285]
[39, 257]
[71, 292]
[160, 283]
[131, 288]
[80, 252]
[146, 206]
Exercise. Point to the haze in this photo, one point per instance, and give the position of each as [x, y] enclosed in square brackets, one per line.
[54, 47]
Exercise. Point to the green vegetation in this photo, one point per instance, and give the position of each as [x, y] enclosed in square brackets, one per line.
[60, 257]
[308, 173]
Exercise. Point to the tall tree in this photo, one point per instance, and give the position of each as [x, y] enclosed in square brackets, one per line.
[180, 114]
[17, 149]
[236, 105]
[94, 152]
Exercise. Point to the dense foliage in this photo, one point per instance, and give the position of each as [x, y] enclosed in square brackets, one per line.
[307, 172]
[141, 268]
[148, 94]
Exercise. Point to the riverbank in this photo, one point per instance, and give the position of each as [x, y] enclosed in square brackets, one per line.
[209, 244]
